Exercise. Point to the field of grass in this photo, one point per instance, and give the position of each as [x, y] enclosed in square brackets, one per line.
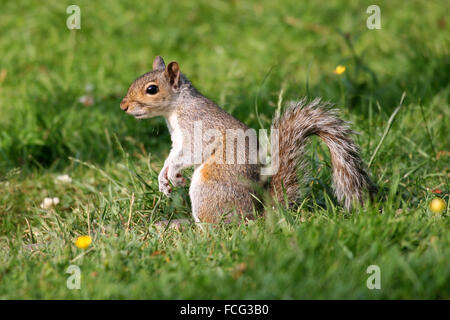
[247, 56]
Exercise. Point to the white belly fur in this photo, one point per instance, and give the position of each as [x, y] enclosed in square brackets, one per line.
[194, 192]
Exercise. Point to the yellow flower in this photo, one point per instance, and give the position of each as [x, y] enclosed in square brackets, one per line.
[437, 205]
[339, 69]
[83, 242]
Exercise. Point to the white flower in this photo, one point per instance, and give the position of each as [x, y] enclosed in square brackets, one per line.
[49, 202]
[86, 100]
[63, 178]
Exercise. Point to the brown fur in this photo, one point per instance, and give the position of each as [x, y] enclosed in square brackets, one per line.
[301, 120]
[220, 188]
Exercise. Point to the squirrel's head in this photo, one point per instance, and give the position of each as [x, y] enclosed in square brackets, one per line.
[152, 94]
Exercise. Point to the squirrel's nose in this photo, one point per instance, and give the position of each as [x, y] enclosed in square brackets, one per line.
[124, 105]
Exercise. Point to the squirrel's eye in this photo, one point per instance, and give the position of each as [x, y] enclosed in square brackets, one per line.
[152, 89]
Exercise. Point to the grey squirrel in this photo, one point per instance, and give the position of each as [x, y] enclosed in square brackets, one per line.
[219, 187]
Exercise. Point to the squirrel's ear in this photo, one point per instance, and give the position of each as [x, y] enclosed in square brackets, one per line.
[158, 63]
[173, 74]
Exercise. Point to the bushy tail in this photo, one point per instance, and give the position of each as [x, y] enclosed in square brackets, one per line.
[301, 119]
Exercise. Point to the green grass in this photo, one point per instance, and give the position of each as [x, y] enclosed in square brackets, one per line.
[244, 56]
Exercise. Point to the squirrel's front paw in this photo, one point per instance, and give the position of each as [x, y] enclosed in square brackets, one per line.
[165, 188]
[176, 178]
[163, 182]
